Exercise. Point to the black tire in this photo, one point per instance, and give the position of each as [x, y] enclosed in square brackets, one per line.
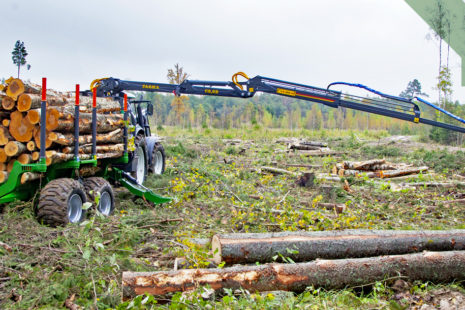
[57, 199]
[158, 154]
[141, 149]
[96, 186]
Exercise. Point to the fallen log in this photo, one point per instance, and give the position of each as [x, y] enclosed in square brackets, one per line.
[277, 171]
[396, 173]
[364, 165]
[303, 147]
[251, 248]
[318, 153]
[330, 274]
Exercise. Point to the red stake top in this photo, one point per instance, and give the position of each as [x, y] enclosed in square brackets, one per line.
[44, 89]
[125, 102]
[77, 94]
[94, 98]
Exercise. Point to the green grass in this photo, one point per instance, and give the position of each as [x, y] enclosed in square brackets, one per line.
[218, 190]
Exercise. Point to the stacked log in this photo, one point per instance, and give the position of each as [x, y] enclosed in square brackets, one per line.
[375, 168]
[20, 127]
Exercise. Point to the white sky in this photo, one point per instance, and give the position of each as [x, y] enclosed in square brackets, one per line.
[381, 43]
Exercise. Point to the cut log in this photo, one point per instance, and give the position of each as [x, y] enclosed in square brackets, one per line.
[336, 207]
[29, 176]
[6, 122]
[3, 176]
[14, 148]
[318, 153]
[31, 146]
[32, 88]
[3, 157]
[396, 173]
[2, 167]
[48, 141]
[87, 149]
[4, 135]
[35, 156]
[9, 167]
[115, 136]
[8, 103]
[330, 274]
[364, 165]
[358, 173]
[28, 101]
[33, 116]
[104, 105]
[52, 119]
[304, 147]
[25, 158]
[15, 88]
[105, 123]
[53, 157]
[20, 128]
[251, 248]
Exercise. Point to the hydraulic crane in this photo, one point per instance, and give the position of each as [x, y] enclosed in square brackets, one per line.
[387, 105]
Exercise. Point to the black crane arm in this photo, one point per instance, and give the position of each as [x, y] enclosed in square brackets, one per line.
[387, 105]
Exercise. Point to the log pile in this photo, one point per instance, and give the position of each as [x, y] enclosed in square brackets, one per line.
[375, 168]
[20, 126]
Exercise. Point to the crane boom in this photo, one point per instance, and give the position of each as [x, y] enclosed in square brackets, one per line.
[386, 105]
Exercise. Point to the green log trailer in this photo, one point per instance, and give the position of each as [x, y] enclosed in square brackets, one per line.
[62, 190]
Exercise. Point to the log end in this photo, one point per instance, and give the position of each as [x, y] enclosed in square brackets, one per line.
[216, 249]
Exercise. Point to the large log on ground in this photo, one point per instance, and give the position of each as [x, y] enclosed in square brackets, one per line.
[251, 248]
[400, 172]
[116, 136]
[20, 128]
[364, 165]
[330, 274]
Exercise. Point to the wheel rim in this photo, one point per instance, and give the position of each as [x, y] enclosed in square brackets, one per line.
[158, 162]
[75, 208]
[140, 171]
[104, 205]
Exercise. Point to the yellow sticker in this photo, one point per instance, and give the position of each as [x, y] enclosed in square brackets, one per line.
[286, 92]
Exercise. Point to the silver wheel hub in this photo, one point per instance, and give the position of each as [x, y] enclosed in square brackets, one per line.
[157, 162]
[140, 170]
[104, 205]
[75, 208]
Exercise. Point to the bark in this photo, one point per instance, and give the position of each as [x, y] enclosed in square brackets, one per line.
[105, 123]
[28, 101]
[14, 148]
[116, 136]
[104, 105]
[330, 274]
[20, 128]
[396, 173]
[364, 165]
[251, 248]
[87, 149]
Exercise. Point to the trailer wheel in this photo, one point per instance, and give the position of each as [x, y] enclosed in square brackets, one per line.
[95, 186]
[158, 159]
[141, 158]
[60, 203]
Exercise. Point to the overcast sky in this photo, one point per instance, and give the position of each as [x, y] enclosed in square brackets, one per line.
[381, 43]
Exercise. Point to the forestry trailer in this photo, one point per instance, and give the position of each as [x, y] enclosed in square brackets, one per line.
[64, 190]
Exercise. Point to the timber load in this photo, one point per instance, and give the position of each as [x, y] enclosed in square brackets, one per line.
[20, 116]
[376, 168]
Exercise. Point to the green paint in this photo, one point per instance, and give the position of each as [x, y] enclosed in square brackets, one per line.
[456, 9]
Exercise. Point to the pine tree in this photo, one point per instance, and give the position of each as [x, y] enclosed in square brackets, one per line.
[19, 55]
